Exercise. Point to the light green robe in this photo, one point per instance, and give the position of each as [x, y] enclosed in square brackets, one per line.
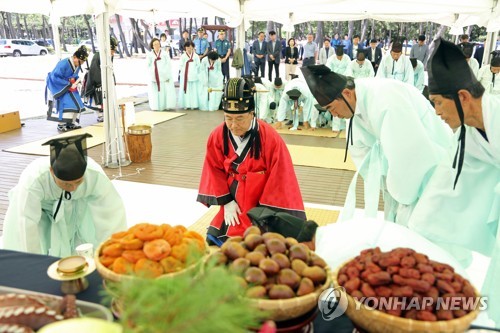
[419, 76]
[165, 99]
[466, 218]
[94, 212]
[210, 78]
[397, 144]
[309, 112]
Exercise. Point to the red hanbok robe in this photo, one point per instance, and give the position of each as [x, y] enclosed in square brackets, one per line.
[269, 180]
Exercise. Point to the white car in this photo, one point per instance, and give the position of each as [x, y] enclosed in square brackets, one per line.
[20, 47]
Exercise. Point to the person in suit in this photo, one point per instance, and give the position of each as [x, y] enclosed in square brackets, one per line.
[374, 54]
[259, 49]
[325, 52]
[273, 54]
[352, 48]
[291, 56]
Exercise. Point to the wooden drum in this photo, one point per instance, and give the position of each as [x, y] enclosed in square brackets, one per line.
[139, 143]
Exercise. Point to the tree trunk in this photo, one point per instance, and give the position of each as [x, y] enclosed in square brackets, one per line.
[253, 30]
[195, 24]
[63, 37]
[190, 27]
[122, 36]
[11, 26]
[309, 29]
[421, 28]
[147, 33]
[350, 27]
[440, 31]
[3, 33]
[19, 30]
[364, 26]
[221, 21]
[29, 33]
[270, 26]
[469, 30]
[372, 33]
[320, 32]
[89, 28]
[138, 42]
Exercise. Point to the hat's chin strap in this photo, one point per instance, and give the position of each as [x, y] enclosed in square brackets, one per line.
[349, 130]
[67, 196]
[459, 155]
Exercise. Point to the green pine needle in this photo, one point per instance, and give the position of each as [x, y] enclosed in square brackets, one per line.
[188, 303]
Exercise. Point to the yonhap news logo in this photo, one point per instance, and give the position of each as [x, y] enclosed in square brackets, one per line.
[332, 303]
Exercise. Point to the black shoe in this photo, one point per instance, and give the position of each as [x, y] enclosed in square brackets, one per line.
[100, 119]
[71, 127]
[290, 122]
[62, 128]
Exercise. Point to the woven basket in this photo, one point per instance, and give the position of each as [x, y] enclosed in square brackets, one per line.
[375, 321]
[285, 309]
[109, 275]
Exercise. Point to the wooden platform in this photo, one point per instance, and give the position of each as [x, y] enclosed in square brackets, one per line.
[177, 158]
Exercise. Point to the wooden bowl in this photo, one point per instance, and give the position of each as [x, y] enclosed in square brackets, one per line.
[375, 321]
[285, 309]
[109, 275]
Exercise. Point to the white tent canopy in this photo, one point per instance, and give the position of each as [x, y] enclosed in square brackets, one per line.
[288, 12]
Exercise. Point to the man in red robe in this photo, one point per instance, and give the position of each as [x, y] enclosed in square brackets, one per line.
[247, 165]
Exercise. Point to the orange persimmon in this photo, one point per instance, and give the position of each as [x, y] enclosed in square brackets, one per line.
[170, 265]
[130, 242]
[148, 268]
[123, 266]
[113, 250]
[173, 236]
[147, 232]
[107, 260]
[157, 249]
[120, 234]
[133, 255]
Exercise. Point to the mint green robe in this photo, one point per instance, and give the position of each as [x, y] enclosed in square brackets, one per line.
[94, 212]
[397, 144]
[164, 98]
[467, 218]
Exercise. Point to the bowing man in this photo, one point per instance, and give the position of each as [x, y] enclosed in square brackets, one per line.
[62, 201]
[210, 78]
[396, 142]
[247, 164]
[396, 65]
[460, 207]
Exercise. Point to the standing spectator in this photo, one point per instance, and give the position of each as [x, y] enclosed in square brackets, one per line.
[259, 49]
[201, 44]
[92, 91]
[325, 52]
[62, 91]
[347, 44]
[183, 40]
[396, 65]
[188, 85]
[209, 45]
[291, 55]
[464, 38]
[352, 49]
[336, 40]
[223, 49]
[374, 54]
[165, 45]
[210, 82]
[418, 73]
[273, 54]
[420, 50]
[161, 92]
[310, 55]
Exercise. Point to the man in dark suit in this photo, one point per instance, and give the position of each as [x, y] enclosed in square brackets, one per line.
[259, 50]
[273, 55]
[374, 54]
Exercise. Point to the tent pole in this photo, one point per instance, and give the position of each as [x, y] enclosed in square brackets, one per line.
[54, 23]
[489, 46]
[114, 144]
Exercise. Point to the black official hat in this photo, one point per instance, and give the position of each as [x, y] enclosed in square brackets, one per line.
[339, 50]
[278, 82]
[397, 47]
[257, 79]
[68, 156]
[294, 94]
[293, 76]
[448, 70]
[325, 85]
[495, 58]
[222, 31]
[238, 96]
[467, 49]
